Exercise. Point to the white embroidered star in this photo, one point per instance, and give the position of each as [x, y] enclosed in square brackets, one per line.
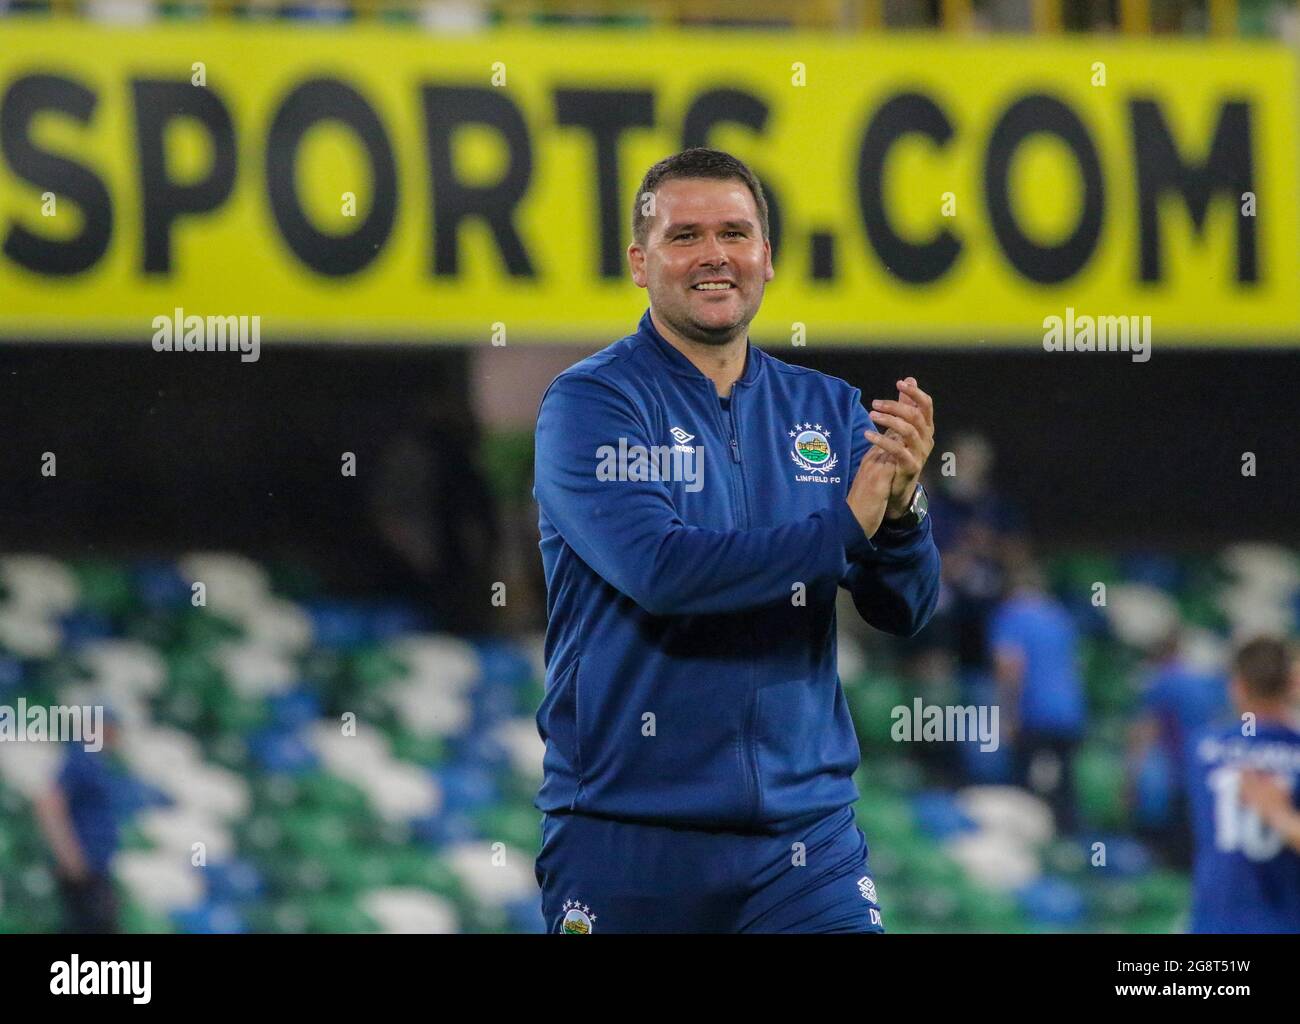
[792, 434]
[817, 426]
[807, 425]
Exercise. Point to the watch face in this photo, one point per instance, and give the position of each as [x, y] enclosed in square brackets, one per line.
[921, 504]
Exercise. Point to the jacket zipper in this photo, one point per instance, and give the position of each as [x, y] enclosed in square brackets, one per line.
[751, 701]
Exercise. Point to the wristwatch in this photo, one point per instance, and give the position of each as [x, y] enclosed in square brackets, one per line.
[916, 512]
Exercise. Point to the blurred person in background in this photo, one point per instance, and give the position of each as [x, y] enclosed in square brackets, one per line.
[80, 816]
[970, 503]
[1178, 699]
[1040, 689]
[1242, 787]
[979, 533]
[436, 516]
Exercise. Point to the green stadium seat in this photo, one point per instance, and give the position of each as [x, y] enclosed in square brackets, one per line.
[1100, 778]
[422, 868]
[516, 826]
[105, 587]
[426, 750]
[1165, 892]
[327, 792]
[871, 703]
[1076, 573]
[1113, 900]
[241, 715]
[988, 911]
[334, 915]
[927, 865]
[138, 920]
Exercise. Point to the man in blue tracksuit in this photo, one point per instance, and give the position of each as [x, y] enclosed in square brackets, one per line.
[701, 502]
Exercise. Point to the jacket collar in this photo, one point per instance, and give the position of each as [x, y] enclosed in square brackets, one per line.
[679, 364]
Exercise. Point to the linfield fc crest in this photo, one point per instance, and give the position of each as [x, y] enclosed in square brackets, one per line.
[810, 449]
[578, 919]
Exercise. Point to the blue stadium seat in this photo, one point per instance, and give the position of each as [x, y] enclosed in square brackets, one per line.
[1052, 901]
[277, 750]
[1126, 857]
[234, 881]
[295, 708]
[938, 815]
[159, 585]
[209, 919]
[465, 787]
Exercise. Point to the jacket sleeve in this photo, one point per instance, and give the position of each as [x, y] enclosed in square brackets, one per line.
[630, 533]
[894, 583]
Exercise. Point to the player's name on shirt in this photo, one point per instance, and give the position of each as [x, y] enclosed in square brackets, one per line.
[1275, 755]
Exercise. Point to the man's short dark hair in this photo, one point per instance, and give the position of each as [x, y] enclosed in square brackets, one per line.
[695, 163]
[1264, 667]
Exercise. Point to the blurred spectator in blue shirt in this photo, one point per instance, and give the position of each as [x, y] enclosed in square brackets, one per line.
[1042, 709]
[80, 816]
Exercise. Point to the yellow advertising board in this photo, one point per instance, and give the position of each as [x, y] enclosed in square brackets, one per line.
[380, 183]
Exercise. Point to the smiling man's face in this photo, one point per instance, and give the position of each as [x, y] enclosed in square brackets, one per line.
[705, 262]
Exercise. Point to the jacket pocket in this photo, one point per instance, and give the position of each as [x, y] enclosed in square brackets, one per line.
[803, 741]
[557, 718]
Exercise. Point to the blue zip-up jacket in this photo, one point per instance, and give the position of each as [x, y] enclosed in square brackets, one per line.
[691, 640]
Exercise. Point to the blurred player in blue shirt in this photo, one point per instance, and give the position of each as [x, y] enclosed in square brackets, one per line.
[1035, 653]
[1242, 786]
[1179, 699]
